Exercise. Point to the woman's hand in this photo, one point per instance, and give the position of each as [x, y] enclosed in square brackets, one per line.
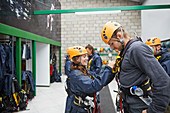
[144, 111]
[111, 64]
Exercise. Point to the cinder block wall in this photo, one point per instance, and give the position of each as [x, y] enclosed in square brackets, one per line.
[86, 29]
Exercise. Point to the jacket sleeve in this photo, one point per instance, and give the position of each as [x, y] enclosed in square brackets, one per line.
[166, 66]
[143, 58]
[83, 83]
[67, 68]
[98, 64]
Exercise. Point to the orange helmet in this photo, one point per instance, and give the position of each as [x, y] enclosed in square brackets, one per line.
[108, 29]
[153, 41]
[76, 51]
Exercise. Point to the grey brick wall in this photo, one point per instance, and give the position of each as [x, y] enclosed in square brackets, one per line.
[86, 29]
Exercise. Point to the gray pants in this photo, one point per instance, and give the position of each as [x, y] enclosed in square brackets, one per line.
[139, 110]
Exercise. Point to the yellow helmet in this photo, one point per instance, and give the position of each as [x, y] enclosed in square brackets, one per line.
[76, 51]
[153, 41]
[108, 29]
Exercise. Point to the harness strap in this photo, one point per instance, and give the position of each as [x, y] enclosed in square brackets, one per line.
[158, 57]
[119, 92]
[80, 102]
[89, 63]
[94, 109]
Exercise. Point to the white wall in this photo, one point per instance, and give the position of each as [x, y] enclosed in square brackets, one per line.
[42, 64]
[155, 23]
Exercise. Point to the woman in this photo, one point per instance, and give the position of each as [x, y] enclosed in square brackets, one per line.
[94, 61]
[84, 85]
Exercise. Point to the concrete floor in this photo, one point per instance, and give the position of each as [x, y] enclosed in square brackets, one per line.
[52, 99]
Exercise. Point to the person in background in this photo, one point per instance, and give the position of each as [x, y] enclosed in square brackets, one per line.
[70, 96]
[162, 55]
[84, 85]
[138, 66]
[94, 65]
[94, 61]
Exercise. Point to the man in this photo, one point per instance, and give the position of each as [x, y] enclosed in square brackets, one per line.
[137, 67]
[94, 61]
[162, 55]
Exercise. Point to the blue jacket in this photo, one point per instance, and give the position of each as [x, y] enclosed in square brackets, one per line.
[95, 62]
[2, 61]
[2, 65]
[67, 66]
[165, 60]
[82, 85]
[30, 77]
[8, 84]
[70, 96]
[9, 60]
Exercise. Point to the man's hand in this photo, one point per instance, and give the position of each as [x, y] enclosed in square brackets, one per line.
[144, 111]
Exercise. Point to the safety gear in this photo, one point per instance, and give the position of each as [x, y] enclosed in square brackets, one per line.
[89, 63]
[153, 41]
[95, 63]
[139, 92]
[164, 59]
[117, 64]
[148, 42]
[108, 30]
[76, 51]
[89, 86]
[158, 57]
[85, 103]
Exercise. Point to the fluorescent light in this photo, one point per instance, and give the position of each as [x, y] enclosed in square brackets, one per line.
[97, 12]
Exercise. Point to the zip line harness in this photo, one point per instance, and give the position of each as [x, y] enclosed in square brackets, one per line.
[88, 103]
[89, 63]
[145, 86]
